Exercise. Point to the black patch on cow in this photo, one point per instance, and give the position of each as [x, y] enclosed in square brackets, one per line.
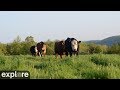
[32, 50]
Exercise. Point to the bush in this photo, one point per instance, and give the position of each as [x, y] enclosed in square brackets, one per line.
[114, 49]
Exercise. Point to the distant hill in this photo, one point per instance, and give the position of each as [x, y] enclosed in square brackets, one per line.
[93, 41]
[107, 41]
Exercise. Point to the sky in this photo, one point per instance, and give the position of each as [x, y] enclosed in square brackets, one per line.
[44, 25]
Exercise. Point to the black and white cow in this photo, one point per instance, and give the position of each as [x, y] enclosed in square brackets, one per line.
[33, 50]
[72, 46]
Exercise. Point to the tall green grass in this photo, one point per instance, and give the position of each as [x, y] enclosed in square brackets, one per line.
[96, 66]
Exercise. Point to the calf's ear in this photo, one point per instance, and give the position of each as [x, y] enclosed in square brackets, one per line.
[79, 41]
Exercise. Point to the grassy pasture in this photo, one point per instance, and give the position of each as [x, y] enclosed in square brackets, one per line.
[96, 66]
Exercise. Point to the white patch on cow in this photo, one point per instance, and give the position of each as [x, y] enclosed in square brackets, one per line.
[36, 49]
[74, 45]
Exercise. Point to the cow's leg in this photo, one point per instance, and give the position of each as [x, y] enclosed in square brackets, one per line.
[32, 54]
[38, 53]
[77, 53]
[41, 54]
[70, 54]
[61, 56]
[74, 53]
[44, 54]
[66, 53]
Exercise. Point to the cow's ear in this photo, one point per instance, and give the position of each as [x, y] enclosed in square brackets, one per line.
[79, 41]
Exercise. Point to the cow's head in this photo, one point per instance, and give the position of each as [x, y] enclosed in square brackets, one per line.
[40, 45]
[74, 44]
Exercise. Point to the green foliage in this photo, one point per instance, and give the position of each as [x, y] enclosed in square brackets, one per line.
[114, 49]
[84, 48]
[50, 47]
[3, 49]
[96, 66]
[93, 48]
[29, 39]
[99, 60]
[18, 47]
[26, 47]
[17, 39]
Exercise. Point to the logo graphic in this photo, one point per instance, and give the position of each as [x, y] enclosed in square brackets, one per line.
[14, 75]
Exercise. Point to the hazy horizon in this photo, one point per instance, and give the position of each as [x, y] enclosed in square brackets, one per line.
[44, 25]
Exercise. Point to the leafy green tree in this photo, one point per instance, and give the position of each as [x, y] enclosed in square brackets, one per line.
[114, 49]
[104, 48]
[14, 48]
[50, 47]
[84, 48]
[3, 49]
[29, 41]
[91, 48]
[17, 39]
[95, 48]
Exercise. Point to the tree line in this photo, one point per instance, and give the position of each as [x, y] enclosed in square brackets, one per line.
[18, 47]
